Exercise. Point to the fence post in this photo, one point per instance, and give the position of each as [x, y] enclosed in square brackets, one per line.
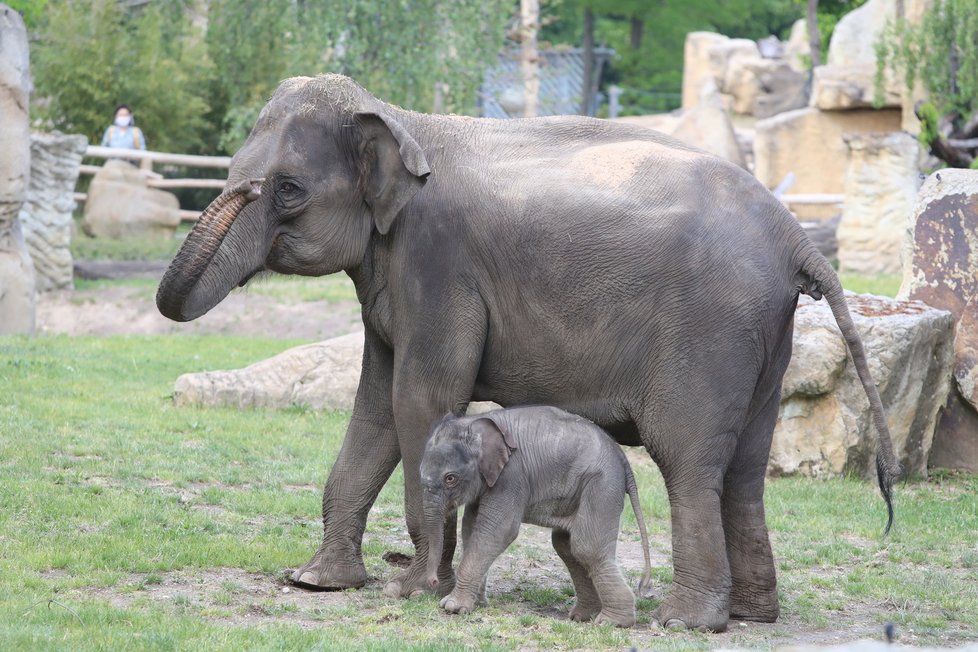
[614, 107]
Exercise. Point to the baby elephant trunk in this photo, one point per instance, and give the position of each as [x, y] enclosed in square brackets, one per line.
[435, 526]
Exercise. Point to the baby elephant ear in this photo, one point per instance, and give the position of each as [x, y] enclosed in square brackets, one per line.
[496, 444]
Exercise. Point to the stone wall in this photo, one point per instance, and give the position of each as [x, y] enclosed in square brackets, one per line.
[46, 215]
[17, 293]
[809, 143]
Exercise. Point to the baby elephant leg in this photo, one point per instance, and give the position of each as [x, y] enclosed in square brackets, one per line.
[588, 604]
[488, 537]
[593, 541]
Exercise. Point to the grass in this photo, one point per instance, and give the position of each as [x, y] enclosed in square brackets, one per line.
[84, 247]
[128, 523]
[886, 285]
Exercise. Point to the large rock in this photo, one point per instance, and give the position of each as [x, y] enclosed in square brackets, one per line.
[880, 190]
[121, 205]
[17, 292]
[798, 50]
[46, 215]
[321, 375]
[941, 254]
[706, 126]
[782, 88]
[697, 67]
[809, 143]
[824, 426]
[847, 80]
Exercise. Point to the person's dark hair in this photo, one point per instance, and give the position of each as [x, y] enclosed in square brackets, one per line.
[122, 106]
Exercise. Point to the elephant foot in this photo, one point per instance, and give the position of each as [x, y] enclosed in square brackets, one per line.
[615, 618]
[699, 615]
[323, 574]
[756, 605]
[413, 582]
[454, 603]
[584, 612]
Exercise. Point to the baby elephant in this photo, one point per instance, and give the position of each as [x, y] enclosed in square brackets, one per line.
[535, 465]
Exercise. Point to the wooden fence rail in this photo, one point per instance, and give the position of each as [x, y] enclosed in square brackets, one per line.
[148, 159]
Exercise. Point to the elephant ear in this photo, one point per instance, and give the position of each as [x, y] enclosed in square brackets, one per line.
[392, 166]
[496, 445]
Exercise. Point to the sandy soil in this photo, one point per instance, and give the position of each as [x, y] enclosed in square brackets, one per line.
[125, 310]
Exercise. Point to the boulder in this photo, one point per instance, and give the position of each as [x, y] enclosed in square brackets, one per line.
[880, 190]
[697, 67]
[844, 87]
[847, 80]
[46, 215]
[809, 143]
[782, 88]
[940, 254]
[323, 375]
[798, 51]
[120, 204]
[17, 286]
[824, 425]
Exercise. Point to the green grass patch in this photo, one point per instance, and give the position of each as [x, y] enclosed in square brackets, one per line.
[84, 247]
[886, 285]
[126, 523]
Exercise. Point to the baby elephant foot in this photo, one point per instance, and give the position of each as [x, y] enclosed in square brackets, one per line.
[677, 619]
[583, 613]
[457, 604]
[410, 584]
[616, 619]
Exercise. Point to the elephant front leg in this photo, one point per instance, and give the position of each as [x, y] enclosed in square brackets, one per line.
[367, 457]
[493, 529]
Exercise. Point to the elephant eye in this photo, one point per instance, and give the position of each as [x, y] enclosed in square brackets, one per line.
[451, 479]
[287, 188]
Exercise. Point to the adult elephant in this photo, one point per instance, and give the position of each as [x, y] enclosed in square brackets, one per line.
[602, 268]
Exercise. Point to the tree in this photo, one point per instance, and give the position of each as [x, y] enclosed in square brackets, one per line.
[941, 52]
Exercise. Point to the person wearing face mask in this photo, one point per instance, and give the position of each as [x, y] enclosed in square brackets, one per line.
[124, 133]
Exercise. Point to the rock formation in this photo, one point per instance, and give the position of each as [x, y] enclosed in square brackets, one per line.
[17, 292]
[46, 215]
[120, 204]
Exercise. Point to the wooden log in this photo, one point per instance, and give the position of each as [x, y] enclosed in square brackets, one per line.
[187, 183]
[191, 160]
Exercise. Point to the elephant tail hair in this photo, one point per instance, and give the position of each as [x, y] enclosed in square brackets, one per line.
[645, 584]
[820, 279]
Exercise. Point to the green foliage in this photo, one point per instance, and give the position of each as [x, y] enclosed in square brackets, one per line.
[200, 92]
[91, 56]
[941, 52]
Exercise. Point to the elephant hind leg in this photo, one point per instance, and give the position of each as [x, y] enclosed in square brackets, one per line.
[588, 604]
[754, 592]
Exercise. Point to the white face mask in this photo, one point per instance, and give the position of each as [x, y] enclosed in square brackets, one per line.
[123, 120]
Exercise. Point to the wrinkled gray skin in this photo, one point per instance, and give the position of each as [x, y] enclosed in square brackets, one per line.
[535, 465]
[599, 267]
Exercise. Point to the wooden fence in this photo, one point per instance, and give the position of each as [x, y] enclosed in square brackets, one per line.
[147, 159]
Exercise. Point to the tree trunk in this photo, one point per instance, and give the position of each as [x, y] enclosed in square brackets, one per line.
[814, 38]
[638, 26]
[529, 23]
[587, 48]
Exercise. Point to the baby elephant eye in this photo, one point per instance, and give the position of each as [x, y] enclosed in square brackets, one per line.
[451, 479]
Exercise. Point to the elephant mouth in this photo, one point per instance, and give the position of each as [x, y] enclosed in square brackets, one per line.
[250, 275]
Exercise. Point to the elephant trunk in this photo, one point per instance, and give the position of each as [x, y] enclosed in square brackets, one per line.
[435, 526]
[199, 248]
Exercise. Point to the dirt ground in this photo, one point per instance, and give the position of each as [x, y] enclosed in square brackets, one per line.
[131, 310]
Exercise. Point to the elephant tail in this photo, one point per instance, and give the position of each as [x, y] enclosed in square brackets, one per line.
[819, 279]
[645, 585]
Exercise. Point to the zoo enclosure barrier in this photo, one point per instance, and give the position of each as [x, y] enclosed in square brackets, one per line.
[147, 159]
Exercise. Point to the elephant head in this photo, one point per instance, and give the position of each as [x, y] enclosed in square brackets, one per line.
[462, 458]
[325, 166]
